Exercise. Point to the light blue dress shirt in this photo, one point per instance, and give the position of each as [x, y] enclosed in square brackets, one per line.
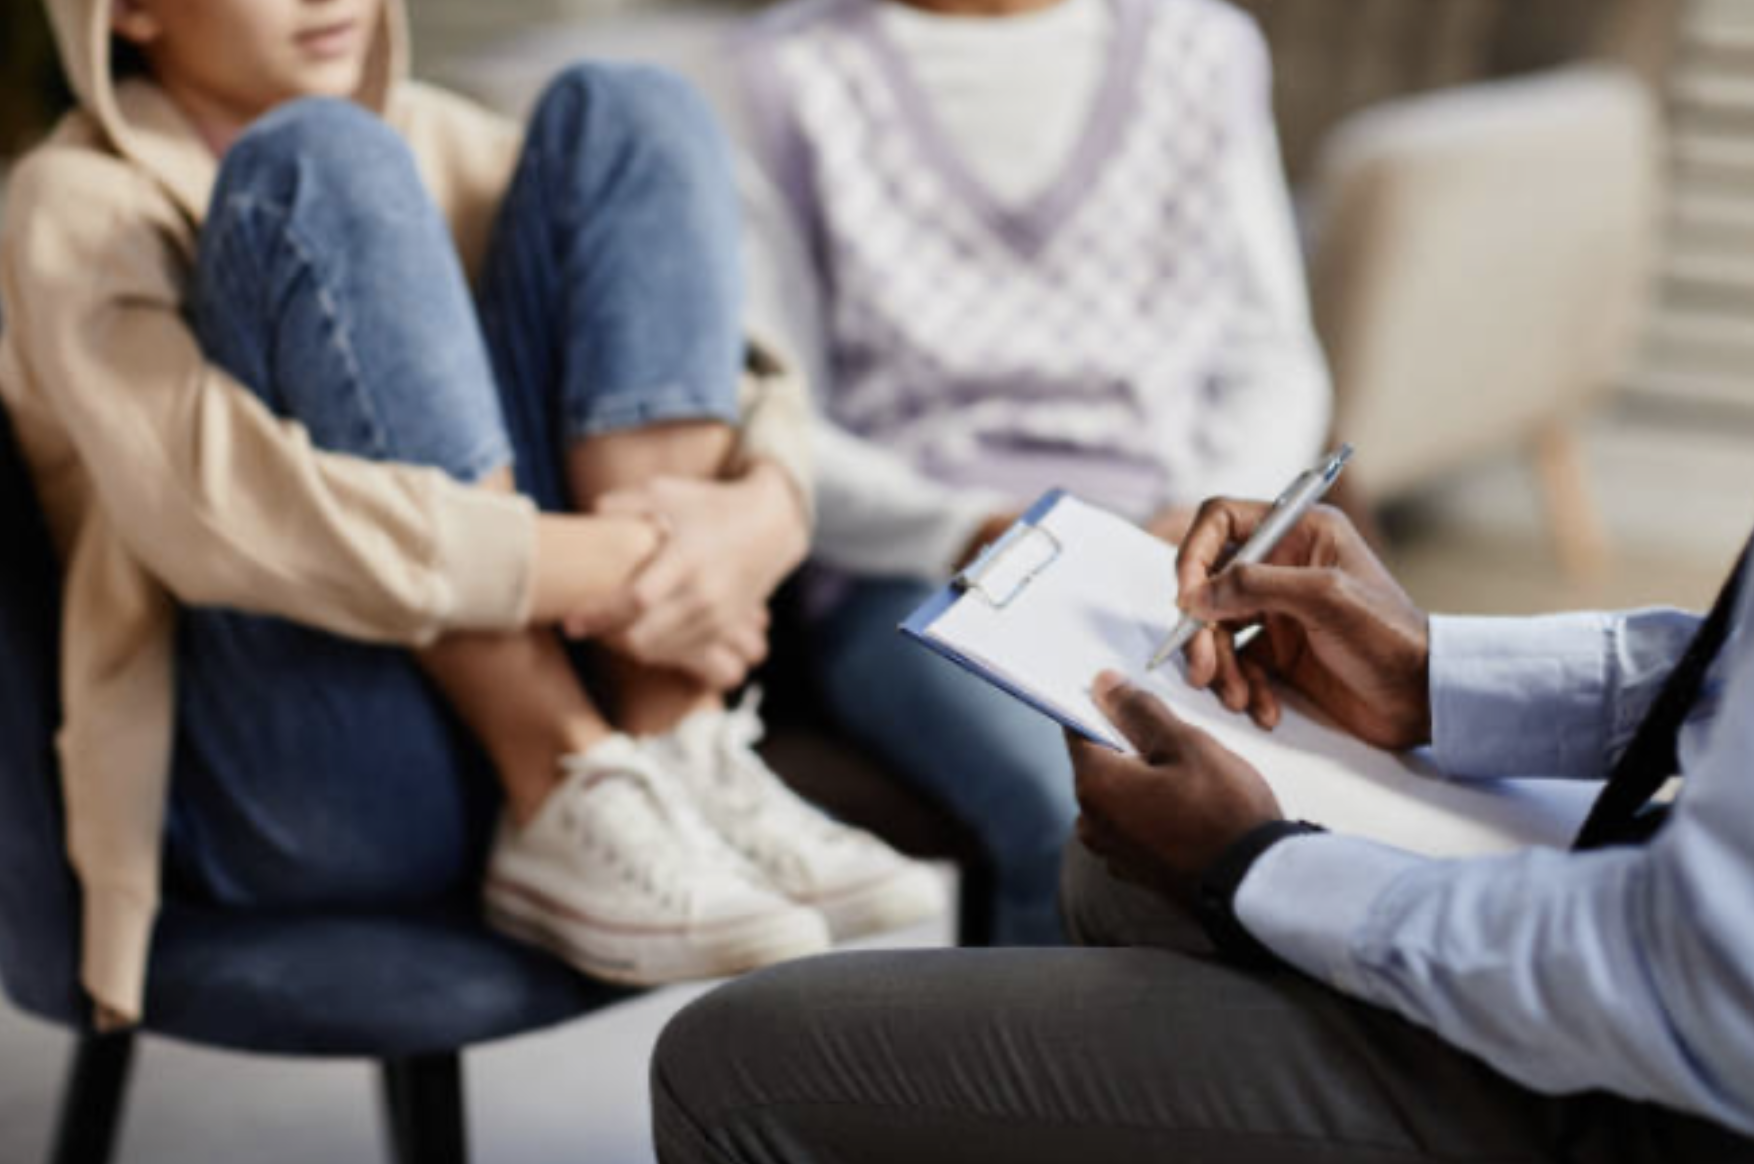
[1627, 969]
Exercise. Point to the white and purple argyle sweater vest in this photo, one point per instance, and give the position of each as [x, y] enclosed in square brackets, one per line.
[1066, 341]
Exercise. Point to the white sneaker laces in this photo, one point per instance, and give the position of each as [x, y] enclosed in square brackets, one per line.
[650, 836]
[749, 787]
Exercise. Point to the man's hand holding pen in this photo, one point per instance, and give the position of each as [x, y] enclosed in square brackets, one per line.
[1336, 625]
[1336, 628]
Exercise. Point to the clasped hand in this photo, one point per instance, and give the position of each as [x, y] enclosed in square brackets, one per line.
[1335, 627]
[700, 605]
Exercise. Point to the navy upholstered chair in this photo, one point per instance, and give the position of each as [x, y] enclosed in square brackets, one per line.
[409, 990]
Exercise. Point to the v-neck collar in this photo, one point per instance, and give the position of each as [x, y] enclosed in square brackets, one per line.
[1026, 227]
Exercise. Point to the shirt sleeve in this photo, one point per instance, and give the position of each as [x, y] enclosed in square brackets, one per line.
[224, 502]
[1553, 696]
[882, 516]
[1270, 400]
[1627, 969]
[776, 421]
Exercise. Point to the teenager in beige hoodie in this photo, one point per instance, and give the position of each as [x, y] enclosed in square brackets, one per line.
[316, 369]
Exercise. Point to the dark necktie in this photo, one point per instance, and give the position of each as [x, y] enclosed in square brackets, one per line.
[1623, 815]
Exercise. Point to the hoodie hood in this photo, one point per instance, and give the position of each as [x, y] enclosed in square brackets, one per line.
[145, 126]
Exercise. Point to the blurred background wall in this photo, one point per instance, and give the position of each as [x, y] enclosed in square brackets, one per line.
[1622, 476]
[1516, 463]
[1701, 336]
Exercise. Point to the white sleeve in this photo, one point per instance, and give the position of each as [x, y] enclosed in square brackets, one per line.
[879, 515]
[1270, 405]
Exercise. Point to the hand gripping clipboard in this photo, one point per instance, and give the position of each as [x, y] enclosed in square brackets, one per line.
[1072, 590]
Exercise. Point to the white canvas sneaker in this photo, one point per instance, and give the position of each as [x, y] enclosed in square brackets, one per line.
[619, 875]
[860, 885]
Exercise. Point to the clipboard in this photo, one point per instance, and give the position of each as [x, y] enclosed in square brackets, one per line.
[999, 576]
[1073, 589]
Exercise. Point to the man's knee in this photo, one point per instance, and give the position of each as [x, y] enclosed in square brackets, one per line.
[1099, 909]
[691, 1090]
[683, 1045]
[1083, 880]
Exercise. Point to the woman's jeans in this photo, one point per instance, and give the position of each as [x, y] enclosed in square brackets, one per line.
[998, 765]
[315, 770]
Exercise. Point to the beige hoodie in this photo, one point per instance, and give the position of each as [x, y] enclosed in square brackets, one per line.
[166, 482]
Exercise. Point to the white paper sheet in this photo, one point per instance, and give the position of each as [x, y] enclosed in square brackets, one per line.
[1108, 600]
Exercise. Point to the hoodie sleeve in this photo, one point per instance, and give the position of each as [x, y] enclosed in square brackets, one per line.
[224, 502]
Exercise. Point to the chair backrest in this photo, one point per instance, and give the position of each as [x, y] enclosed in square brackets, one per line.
[39, 903]
[1479, 261]
[1334, 58]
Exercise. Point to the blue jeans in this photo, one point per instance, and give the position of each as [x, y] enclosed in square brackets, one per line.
[998, 765]
[315, 770]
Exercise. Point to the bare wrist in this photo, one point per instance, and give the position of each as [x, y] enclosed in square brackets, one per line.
[1423, 728]
[1408, 724]
[583, 561]
[780, 502]
[775, 483]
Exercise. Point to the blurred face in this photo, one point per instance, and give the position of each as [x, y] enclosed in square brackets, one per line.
[244, 57]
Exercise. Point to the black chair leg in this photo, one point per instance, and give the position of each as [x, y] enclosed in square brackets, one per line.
[91, 1106]
[423, 1107]
[975, 899]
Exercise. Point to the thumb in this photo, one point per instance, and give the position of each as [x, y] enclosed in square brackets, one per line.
[1144, 719]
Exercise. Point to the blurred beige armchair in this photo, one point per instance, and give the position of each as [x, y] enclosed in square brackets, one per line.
[1478, 266]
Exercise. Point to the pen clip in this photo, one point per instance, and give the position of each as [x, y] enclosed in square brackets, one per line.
[1325, 473]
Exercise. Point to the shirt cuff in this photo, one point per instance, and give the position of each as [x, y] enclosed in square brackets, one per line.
[776, 424]
[1519, 696]
[1307, 898]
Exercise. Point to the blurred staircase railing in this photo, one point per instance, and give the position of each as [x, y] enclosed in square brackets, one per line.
[1700, 348]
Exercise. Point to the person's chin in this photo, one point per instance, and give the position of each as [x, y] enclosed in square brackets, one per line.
[331, 79]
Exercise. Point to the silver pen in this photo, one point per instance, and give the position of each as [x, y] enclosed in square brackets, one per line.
[1299, 497]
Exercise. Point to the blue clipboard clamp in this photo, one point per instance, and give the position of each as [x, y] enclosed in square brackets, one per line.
[997, 576]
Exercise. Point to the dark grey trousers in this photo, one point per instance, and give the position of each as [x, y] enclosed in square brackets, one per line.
[1146, 1049]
